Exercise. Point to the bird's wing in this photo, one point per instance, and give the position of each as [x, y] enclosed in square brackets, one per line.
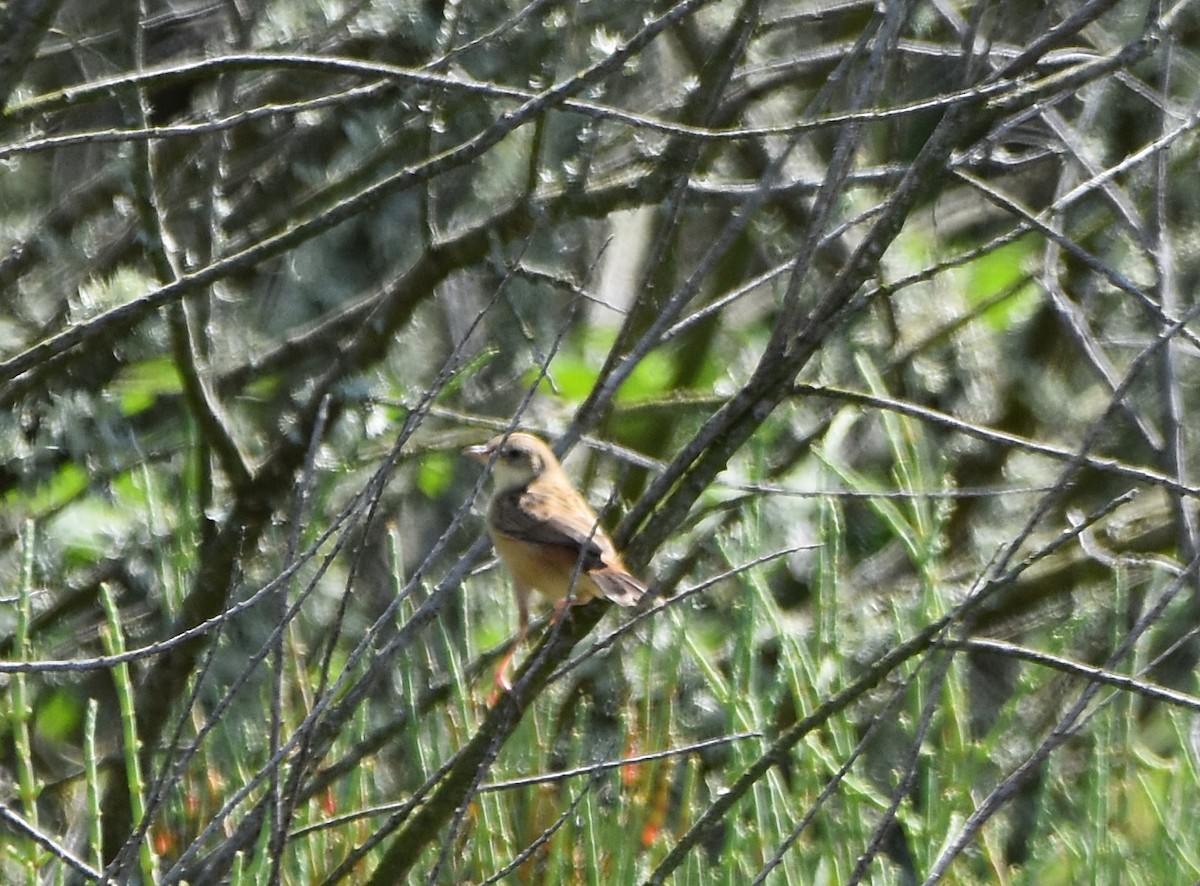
[540, 518]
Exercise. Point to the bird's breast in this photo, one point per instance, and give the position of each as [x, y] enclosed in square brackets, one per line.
[547, 569]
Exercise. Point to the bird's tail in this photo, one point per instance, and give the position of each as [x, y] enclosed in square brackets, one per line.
[619, 586]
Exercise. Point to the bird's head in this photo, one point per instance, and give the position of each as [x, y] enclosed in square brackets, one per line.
[519, 459]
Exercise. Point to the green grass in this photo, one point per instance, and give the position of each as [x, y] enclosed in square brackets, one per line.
[729, 667]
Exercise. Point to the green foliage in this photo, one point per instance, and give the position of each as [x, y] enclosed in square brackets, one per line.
[435, 474]
[140, 385]
[1000, 279]
[574, 373]
[58, 716]
[67, 483]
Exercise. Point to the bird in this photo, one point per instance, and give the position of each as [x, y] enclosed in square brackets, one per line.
[546, 533]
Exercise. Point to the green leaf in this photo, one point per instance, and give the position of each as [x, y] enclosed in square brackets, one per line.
[67, 483]
[59, 715]
[651, 377]
[575, 375]
[142, 383]
[434, 474]
[1003, 270]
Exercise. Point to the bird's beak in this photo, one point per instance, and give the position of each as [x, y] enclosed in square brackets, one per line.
[482, 452]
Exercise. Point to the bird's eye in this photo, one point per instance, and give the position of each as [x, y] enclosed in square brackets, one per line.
[509, 453]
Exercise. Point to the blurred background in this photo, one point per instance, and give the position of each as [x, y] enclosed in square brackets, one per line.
[869, 329]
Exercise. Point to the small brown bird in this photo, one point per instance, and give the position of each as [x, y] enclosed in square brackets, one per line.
[547, 534]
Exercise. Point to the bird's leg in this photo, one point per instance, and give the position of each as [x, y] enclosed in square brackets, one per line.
[522, 595]
[562, 606]
[559, 608]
